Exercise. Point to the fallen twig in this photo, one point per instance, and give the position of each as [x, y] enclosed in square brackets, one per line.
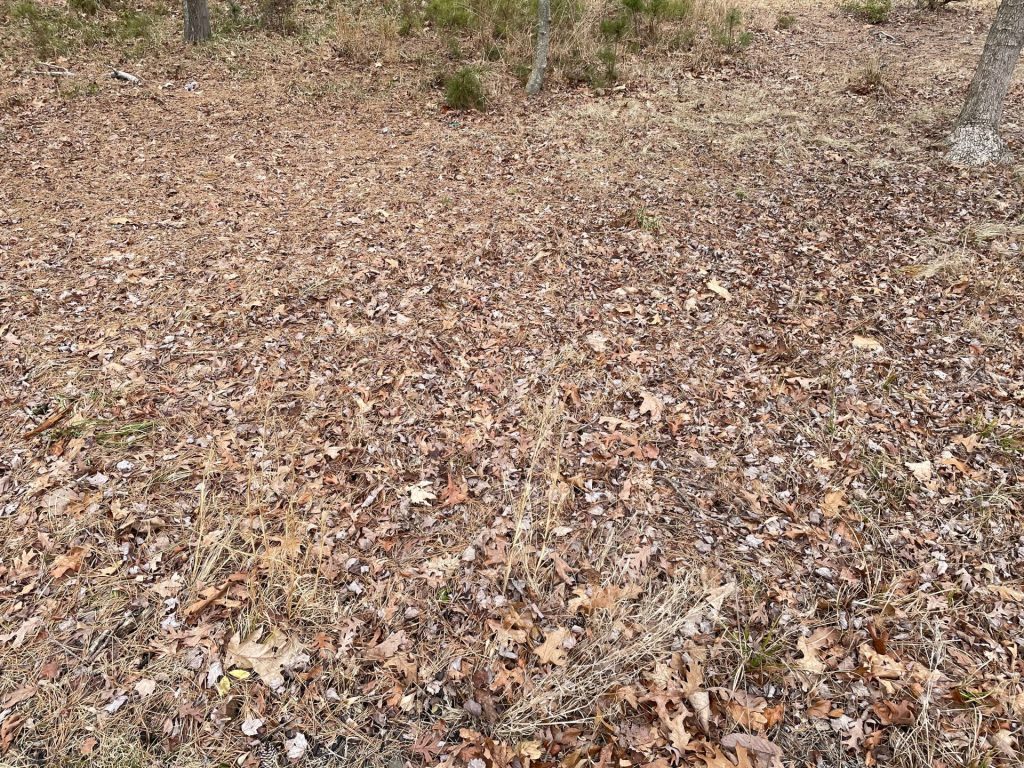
[126, 77]
[48, 423]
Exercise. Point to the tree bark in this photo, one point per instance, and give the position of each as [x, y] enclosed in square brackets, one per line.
[197, 21]
[540, 56]
[975, 139]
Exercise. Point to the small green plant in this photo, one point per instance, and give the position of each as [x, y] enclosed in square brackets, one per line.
[646, 220]
[450, 14]
[871, 11]
[465, 90]
[731, 36]
[785, 21]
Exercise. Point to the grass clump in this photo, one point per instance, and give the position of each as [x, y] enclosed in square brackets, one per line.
[51, 32]
[871, 11]
[465, 90]
[450, 14]
[785, 21]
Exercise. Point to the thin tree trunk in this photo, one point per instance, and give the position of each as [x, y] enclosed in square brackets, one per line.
[975, 139]
[197, 21]
[540, 57]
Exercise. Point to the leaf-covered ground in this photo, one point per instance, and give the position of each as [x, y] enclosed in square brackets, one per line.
[681, 424]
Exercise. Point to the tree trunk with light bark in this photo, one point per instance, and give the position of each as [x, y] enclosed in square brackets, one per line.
[197, 21]
[540, 57]
[975, 139]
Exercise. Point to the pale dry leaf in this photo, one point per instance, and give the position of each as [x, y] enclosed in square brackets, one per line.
[597, 341]
[18, 695]
[767, 752]
[652, 405]
[833, 502]
[268, 658]
[251, 726]
[422, 492]
[295, 747]
[811, 648]
[701, 703]
[388, 648]
[717, 288]
[922, 470]
[677, 733]
[145, 687]
[866, 343]
[551, 650]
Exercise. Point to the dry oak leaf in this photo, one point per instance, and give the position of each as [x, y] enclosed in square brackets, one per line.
[597, 341]
[833, 502]
[819, 709]
[388, 648]
[811, 648]
[9, 729]
[766, 753]
[551, 650]
[68, 563]
[651, 404]
[747, 711]
[677, 732]
[268, 658]
[895, 712]
[422, 492]
[879, 665]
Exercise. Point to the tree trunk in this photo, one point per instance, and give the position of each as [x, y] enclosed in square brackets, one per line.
[975, 139]
[197, 21]
[540, 57]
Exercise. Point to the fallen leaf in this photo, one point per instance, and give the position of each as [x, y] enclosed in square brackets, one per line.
[652, 405]
[819, 709]
[70, 562]
[597, 341]
[388, 647]
[719, 289]
[701, 703]
[833, 502]
[454, 493]
[677, 733]
[922, 470]
[268, 658]
[811, 648]
[295, 748]
[8, 730]
[879, 664]
[145, 687]
[895, 712]
[115, 704]
[866, 342]
[767, 752]
[422, 492]
[251, 726]
[551, 650]
[19, 695]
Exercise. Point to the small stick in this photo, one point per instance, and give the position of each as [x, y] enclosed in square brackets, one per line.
[48, 423]
[127, 77]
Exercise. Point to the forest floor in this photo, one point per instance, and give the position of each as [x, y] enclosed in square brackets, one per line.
[677, 424]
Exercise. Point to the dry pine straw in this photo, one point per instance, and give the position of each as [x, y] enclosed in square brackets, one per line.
[635, 428]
